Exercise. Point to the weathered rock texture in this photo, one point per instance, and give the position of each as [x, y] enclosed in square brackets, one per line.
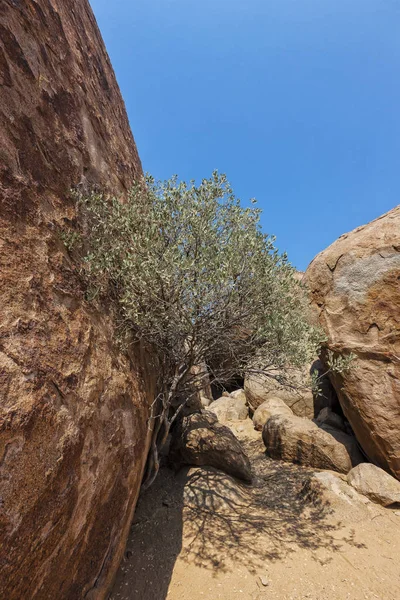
[268, 409]
[201, 440]
[73, 437]
[299, 398]
[229, 409]
[355, 288]
[375, 483]
[301, 441]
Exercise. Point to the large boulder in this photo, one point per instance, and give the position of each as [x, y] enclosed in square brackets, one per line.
[301, 441]
[228, 409]
[73, 410]
[201, 440]
[355, 292]
[297, 395]
[269, 408]
[375, 483]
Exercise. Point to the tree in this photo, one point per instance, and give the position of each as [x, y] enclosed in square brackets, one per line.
[193, 276]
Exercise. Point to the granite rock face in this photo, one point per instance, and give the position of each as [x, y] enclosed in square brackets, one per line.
[73, 411]
[355, 290]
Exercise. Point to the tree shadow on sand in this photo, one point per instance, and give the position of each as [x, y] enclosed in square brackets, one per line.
[211, 520]
[278, 514]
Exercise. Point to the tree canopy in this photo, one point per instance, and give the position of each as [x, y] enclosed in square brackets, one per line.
[193, 276]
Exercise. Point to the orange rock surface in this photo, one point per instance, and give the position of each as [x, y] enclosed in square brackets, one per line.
[73, 420]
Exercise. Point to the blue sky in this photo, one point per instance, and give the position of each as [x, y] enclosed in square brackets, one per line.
[297, 101]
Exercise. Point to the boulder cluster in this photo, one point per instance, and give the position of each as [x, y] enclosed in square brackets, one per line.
[352, 424]
[325, 443]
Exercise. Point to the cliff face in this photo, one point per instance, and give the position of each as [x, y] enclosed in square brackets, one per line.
[73, 410]
[355, 291]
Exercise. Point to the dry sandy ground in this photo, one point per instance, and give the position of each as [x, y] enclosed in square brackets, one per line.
[199, 535]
